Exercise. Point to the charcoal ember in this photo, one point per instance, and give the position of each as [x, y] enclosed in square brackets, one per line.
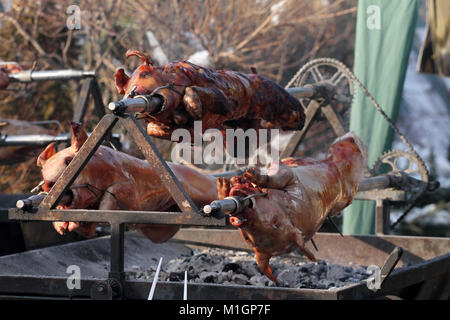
[306, 268]
[261, 281]
[323, 284]
[287, 276]
[211, 277]
[337, 273]
[230, 267]
[250, 269]
[233, 266]
[239, 279]
[319, 268]
[176, 276]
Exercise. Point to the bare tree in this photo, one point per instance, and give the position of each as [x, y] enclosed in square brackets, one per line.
[276, 37]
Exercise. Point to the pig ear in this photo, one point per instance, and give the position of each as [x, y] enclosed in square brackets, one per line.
[144, 58]
[121, 80]
[46, 154]
[79, 136]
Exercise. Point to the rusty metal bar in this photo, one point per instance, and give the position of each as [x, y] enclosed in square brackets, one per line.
[335, 119]
[83, 100]
[382, 217]
[116, 270]
[379, 182]
[98, 100]
[164, 172]
[298, 136]
[116, 216]
[390, 263]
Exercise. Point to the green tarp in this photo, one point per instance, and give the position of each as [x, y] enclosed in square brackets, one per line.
[384, 35]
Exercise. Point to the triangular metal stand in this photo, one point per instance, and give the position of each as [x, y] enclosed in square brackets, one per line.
[190, 214]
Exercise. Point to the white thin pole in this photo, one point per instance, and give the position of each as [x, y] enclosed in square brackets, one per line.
[155, 280]
[185, 286]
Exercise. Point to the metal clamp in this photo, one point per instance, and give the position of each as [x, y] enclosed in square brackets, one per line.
[230, 205]
[142, 103]
[106, 290]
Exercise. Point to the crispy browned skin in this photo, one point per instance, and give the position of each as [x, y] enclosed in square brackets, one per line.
[113, 180]
[300, 195]
[221, 99]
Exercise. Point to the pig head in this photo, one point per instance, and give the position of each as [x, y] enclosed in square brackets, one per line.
[113, 180]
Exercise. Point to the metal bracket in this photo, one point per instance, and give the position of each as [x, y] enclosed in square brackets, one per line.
[107, 290]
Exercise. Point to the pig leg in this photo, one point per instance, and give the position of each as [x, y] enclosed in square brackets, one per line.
[121, 196]
[86, 229]
[61, 227]
[262, 260]
[301, 245]
[279, 177]
[223, 188]
[198, 100]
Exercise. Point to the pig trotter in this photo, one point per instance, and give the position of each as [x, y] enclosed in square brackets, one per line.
[254, 175]
[223, 188]
[301, 245]
[263, 263]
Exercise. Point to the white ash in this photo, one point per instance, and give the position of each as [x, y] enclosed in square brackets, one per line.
[228, 267]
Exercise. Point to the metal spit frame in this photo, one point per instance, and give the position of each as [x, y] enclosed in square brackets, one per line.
[190, 214]
[89, 88]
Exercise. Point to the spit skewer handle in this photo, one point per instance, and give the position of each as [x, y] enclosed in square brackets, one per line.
[35, 200]
[149, 103]
[229, 205]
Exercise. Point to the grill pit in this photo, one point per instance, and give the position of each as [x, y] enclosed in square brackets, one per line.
[229, 267]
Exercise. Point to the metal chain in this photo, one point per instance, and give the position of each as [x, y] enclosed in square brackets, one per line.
[402, 137]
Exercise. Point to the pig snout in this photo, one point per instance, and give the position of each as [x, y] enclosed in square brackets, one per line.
[47, 185]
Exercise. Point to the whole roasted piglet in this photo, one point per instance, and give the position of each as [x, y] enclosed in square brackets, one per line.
[113, 180]
[301, 193]
[220, 99]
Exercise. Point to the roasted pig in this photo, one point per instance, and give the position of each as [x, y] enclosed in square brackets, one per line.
[301, 193]
[113, 180]
[220, 99]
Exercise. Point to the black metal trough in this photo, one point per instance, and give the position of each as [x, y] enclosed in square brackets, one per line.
[423, 271]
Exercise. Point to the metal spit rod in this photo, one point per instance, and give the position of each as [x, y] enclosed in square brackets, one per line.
[154, 103]
[150, 104]
[67, 74]
[33, 139]
[230, 205]
[234, 205]
[37, 139]
[35, 200]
